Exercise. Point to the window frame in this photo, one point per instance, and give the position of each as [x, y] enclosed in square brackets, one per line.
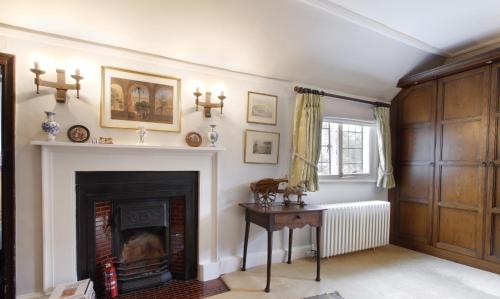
[373, 152]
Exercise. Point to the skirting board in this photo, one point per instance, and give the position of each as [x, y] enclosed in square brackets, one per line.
[209, 271]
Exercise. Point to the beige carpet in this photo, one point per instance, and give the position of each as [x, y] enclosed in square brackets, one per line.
[388, 272]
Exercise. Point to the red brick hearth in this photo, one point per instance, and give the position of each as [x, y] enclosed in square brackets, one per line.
[180, 289]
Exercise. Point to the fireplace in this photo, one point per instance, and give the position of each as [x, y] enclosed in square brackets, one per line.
[141, 243]
[146, 221]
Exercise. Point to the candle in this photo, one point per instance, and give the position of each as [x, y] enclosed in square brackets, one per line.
[208, 100]
[222, 93]
[36, 65]
[77, 72]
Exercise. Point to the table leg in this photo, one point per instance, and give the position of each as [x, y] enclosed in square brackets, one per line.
[269, 259]
[245, 246]
[290, 240]
[318, 253]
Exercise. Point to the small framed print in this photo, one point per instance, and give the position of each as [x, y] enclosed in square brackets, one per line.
[261, 147]
[262, 108]
[132, 99]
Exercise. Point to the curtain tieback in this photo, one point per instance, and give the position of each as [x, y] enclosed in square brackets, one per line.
[386, 173]
[305, 160]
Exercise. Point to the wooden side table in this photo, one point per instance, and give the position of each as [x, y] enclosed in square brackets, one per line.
[277, 217]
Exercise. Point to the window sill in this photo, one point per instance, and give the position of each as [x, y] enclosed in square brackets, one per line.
[346, 180]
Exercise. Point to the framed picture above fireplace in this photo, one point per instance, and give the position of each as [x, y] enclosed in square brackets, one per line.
[130, 99]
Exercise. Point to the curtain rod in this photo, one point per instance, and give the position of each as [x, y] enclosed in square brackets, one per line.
[299, 89]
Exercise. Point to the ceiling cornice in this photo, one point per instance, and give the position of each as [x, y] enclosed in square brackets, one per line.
[375, 26]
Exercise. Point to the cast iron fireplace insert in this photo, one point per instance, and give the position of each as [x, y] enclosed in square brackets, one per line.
[146, 220]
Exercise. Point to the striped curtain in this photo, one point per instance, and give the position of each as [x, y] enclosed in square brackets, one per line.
[385, 171]
[306, 141]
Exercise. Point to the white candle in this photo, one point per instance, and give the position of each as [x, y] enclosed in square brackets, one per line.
[222, 93]
[77, 72]
[36, 65]
[208, 100]
[197, 89]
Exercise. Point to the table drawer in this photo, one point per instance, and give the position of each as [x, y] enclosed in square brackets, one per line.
[294, 220]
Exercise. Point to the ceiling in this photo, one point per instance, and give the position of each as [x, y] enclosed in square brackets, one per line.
[450, 26]
[359, 47]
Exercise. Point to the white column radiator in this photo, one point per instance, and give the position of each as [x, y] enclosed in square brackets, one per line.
[349, 227]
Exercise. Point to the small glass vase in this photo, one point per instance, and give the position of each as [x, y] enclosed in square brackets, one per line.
[50, 126]
[213, 136]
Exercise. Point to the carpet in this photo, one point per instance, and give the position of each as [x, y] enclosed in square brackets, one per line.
[334, 295]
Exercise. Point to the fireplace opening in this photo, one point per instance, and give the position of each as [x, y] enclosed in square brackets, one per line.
[146, 221]
[141, 238]
[143, 245]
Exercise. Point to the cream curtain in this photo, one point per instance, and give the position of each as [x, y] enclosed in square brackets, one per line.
[385, 176]
[306, 141]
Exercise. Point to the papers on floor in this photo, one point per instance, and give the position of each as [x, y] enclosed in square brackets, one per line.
[83, 289]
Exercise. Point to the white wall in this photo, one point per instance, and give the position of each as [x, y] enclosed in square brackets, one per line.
[235, 175]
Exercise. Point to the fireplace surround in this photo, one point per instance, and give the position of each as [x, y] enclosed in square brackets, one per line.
[146, 220]
[61, 161]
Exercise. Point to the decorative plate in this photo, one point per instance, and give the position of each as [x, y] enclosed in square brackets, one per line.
[193, 139]
[78, 134]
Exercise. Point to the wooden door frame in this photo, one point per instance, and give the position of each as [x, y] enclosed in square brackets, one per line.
[8, 282]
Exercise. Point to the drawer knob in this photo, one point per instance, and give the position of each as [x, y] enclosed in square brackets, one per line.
[297, 216]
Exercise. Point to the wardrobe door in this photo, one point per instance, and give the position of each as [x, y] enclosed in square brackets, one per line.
[492, 241]
[463, 111]
[417, 118]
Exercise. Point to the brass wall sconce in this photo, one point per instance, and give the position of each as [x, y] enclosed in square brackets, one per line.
[61, 86]
[208, 105]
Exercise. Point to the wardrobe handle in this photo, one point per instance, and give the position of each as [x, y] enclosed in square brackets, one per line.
[431, 163]
[492, 163]
[484, 163]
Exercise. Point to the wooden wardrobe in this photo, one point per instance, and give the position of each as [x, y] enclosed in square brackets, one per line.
[446, 156]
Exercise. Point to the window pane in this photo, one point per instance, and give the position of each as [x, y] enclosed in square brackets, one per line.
[325, 155]
[353, 153]
[366, 149]
[325, 136]
[353, 149]
[334, 148]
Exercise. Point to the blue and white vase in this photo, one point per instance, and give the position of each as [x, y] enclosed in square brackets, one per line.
[213, 136]
[50, 126]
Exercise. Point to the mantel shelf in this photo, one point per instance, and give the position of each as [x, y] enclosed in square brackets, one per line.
[128, 146]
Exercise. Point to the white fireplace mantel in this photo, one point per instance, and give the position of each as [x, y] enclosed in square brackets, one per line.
[129, 146]
[61, 161]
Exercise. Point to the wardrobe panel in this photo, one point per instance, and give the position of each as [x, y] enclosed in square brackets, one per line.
[461, 161]
[415, 163]
[455, 230]
[414, 182]
[456, 189]
[492, 210]
[460, 96]
[417, 143]
[462, 141]
[413, 219]
[417, 107]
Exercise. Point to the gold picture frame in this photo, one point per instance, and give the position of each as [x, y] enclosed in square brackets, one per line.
[261, 147]
[130, 99]
[262, 108]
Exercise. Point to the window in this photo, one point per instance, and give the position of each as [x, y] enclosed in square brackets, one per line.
[346, 148]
